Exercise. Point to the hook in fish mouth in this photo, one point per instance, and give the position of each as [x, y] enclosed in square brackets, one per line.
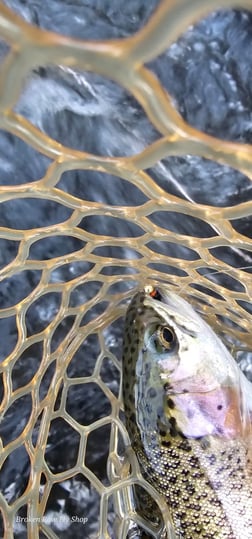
[153, 292]
[170, 306]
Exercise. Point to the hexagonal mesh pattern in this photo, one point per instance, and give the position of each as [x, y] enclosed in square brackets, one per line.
[53, 387]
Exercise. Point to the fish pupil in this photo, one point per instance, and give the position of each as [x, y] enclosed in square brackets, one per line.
[167, 336]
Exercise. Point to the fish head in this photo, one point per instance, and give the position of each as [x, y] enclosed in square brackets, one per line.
[185, 366]
[190, 356]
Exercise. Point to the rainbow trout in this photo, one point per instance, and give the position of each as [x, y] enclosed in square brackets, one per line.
[188, 414]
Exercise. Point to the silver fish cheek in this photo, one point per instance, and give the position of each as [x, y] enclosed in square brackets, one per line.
[148, 395]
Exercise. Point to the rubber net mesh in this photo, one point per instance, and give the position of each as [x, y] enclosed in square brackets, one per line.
[227, 308]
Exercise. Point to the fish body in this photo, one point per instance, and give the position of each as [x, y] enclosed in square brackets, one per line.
[188, 415]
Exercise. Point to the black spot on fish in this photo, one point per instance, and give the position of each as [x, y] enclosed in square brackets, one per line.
[173, 431]
[212, 459]
[170, 403]
[173, 480]
[174, 504]
[151, 393]
[214, 501]
[219, 407]
[197, 475]
[167, 386]
[185, 445]
[190, 489]
[162, 433]
[194, 461]
[181, 514]
[166, 443]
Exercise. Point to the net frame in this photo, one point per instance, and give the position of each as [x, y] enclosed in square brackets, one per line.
[122, 60]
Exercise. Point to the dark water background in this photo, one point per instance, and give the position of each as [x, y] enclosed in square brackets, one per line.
[209, 74]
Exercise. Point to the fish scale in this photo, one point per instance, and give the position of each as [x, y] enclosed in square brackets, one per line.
[205, 479]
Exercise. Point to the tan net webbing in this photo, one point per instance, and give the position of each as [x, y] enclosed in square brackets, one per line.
[123, 61]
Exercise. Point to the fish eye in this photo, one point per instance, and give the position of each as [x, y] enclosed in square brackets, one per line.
[166, 336]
